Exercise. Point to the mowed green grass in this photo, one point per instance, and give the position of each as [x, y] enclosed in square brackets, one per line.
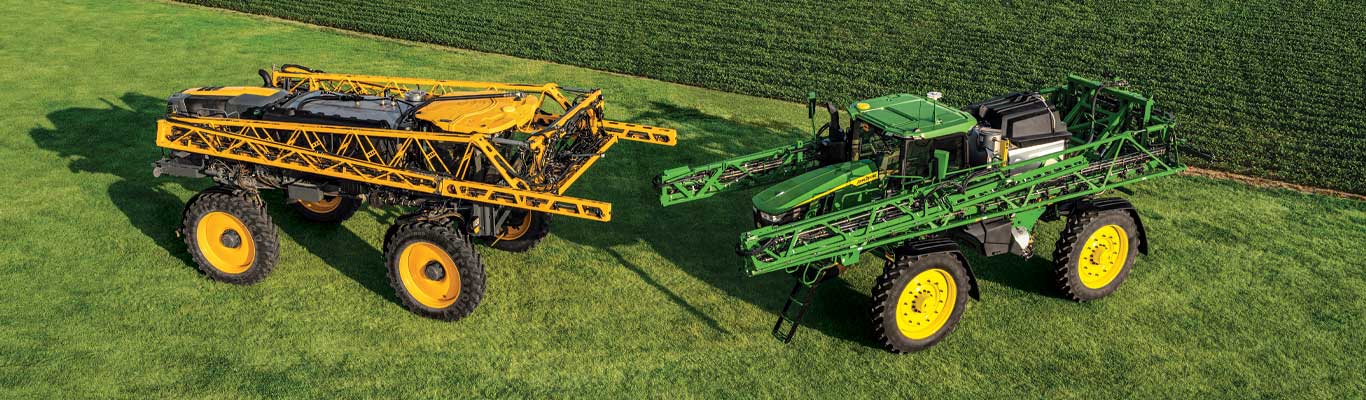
[1269, 87]
[1248, 292]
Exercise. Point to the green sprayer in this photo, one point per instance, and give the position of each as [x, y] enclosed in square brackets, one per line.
[910, 178]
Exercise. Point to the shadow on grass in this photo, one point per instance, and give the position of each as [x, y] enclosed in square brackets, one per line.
[669, 293]
[699, 238]
[1033, 275]
[120, 141]
[338, 246]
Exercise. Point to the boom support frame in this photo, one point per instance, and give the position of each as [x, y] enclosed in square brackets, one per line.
[530, 167]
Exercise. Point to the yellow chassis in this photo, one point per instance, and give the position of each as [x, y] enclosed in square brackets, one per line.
[254, 142]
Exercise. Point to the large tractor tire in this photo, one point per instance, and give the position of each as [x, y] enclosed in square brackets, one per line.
[434, 270]
[329, 210]
[230, 236]
[918, 300]
[524, 230]
[1094, 253]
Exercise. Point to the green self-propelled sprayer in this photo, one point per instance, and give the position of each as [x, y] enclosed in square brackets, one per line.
[909, 178]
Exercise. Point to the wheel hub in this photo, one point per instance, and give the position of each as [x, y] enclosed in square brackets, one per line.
[428, 274]
[324, 206]
[923, 302]
[224, 242]
[1101, 253]
[517, 230]
[230, 239]
[1103, 256]
[434, 271]
[926, 303]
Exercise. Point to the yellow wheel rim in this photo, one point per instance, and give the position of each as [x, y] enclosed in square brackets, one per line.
[926, 303]
[225, 242]
[1103, 256]
[429, 274]
[514, 232]
[324, 206]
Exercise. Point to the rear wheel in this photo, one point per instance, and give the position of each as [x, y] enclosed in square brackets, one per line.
[434, 270]
[1094, 253]
[230, 236]
[522, 231]
[918, 301]
[331, 209]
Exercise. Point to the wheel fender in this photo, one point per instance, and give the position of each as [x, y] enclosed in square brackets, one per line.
[1115, 203]
[943, 245]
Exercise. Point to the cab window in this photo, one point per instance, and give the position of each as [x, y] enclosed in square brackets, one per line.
[920, 154]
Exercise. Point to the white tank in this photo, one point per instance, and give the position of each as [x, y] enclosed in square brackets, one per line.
[1038, 150]
[986, 145]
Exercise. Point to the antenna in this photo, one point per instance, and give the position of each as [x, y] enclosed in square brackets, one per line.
[811, 111]
[934, 111]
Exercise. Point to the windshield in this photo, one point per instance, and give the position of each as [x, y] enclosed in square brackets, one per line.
[905, 155]
[915, 156]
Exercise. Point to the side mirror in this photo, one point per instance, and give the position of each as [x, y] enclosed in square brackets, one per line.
[941, 164]
[811, 104]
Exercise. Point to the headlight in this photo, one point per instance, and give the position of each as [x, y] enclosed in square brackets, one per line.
[764, 219]
[769, 218]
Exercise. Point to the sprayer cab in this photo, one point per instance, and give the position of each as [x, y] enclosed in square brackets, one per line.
[908, 135]
[890, 140]
[905, 131]
[883, 128]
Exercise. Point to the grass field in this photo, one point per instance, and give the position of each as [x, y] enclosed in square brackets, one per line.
[1271, 88]
[1248, 293]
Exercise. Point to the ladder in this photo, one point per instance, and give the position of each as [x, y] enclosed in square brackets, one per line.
[801, 297]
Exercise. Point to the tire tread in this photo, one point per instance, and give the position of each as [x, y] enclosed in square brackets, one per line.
[885, 287]
[252, 212]
[1064, 253]
[472, 275]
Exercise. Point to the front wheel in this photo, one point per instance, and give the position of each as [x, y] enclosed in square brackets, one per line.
[434, 270]
[918, 301]
[230, 236]
[1094, 253]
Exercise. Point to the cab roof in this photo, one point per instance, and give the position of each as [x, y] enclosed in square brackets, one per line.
[909, 116]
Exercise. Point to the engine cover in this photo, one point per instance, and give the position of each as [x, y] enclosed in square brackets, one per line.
[223, 101]
[479, 112]
[334, 109]
[273, 104]
[1025, 119]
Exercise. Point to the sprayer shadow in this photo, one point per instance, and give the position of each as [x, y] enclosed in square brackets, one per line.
[116, 140]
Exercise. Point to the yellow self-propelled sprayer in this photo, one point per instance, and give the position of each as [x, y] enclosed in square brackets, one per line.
[472, 160]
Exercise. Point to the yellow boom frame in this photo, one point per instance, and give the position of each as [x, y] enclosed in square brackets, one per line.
[302, 147]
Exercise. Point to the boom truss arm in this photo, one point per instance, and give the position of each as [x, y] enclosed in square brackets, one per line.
[681, 185]
[353, 154]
